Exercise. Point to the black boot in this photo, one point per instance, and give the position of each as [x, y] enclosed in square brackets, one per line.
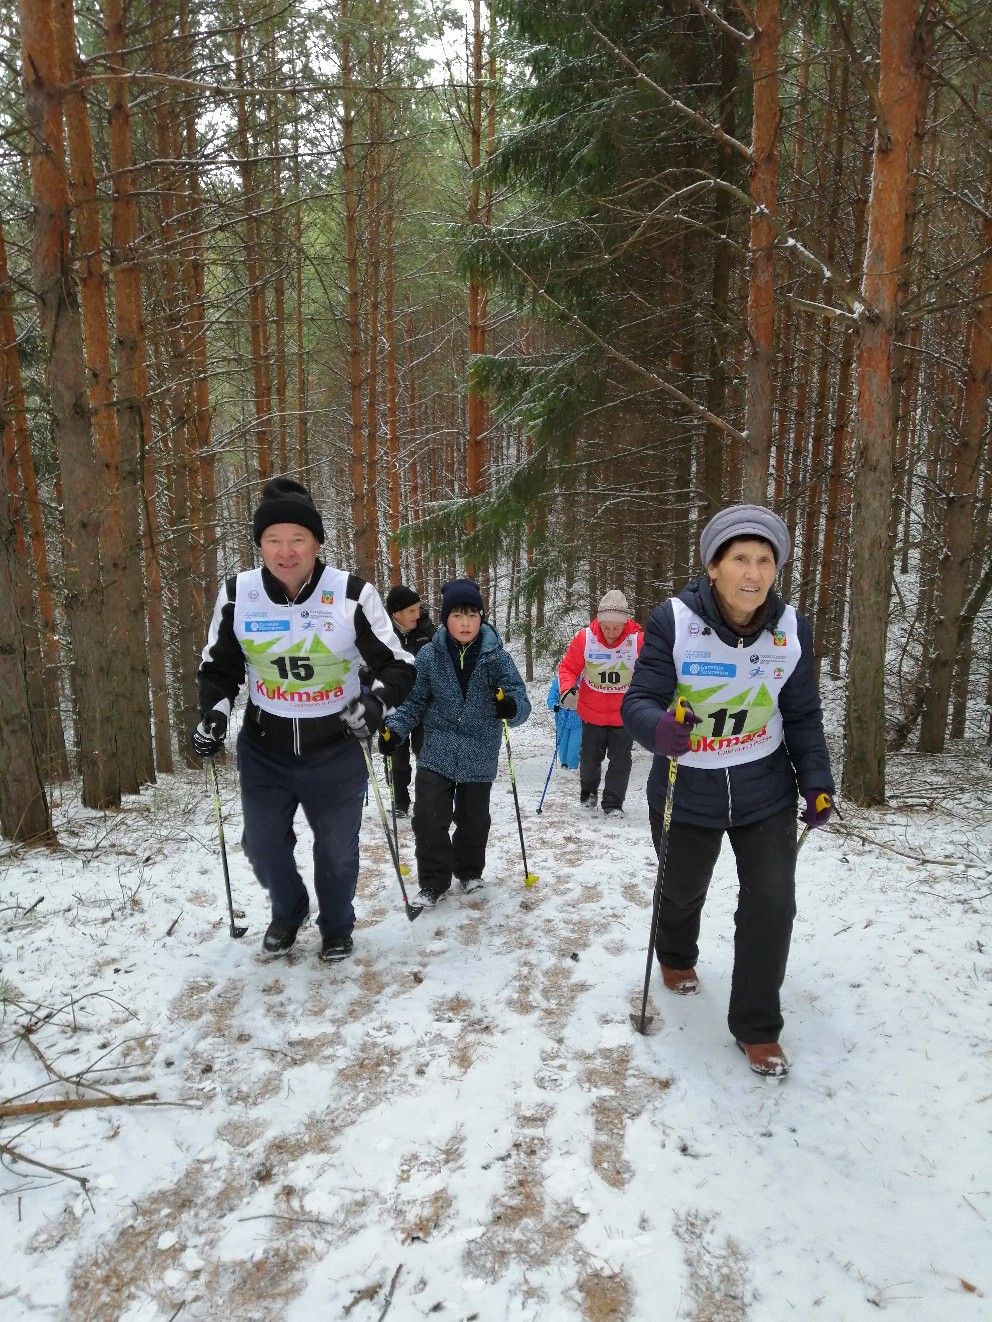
[279, 937]
[335, 948]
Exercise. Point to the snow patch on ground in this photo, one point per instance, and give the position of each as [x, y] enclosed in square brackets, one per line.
[460, 1120]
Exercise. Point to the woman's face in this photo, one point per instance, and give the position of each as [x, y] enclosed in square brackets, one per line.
[743, 576]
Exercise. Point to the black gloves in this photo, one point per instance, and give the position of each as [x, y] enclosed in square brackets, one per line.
[208, 737]
[506, 707]
[362, 717]
[389, 742]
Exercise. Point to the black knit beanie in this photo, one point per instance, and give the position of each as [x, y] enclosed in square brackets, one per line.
[286, 501]
[399, 597]
[460, 592]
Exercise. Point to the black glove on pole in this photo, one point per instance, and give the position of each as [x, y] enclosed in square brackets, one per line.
[362, 717]
[208, 737]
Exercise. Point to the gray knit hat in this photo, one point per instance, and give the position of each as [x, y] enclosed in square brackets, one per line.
[745, 521]
[613, 606]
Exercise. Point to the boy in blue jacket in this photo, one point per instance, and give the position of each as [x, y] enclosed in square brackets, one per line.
[467, 684]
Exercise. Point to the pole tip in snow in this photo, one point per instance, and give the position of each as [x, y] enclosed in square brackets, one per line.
[642, 1023]
[238, 932]
[531, 879]
[413, 910]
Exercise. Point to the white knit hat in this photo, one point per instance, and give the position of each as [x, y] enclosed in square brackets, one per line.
[613, 606]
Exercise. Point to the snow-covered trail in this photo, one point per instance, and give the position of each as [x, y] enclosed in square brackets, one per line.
[460, 1121]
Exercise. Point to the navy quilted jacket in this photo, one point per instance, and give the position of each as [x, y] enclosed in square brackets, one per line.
[739, 795]
[462, 734]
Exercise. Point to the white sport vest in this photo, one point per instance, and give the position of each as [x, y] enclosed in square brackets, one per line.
[609, 669]
[301, 660]
[733, 689]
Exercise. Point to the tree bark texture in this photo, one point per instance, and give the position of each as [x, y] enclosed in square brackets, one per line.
[58, 311]
[871, 548]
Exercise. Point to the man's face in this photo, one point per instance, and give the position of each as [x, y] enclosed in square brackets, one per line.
[289, 553]
[407, 617]
[464, 624]
[612, 629]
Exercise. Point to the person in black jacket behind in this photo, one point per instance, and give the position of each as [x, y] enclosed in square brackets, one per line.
[743, 661]
[413, 628]
[298, 631]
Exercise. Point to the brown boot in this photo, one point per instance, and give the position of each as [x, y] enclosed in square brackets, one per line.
[766, 1058]
[683, 982]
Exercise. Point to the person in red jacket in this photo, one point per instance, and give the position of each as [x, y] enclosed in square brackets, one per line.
[594, 676]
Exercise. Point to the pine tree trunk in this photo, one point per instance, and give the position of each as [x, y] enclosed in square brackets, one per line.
[254, 266]
[959, 503]
[871, 547]
[128, 660]
[364, 534]
[90, 626]
[21, 483]
[24, 811]
[761, 293]
[133, 412]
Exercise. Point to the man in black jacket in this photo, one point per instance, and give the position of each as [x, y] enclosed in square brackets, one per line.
[743, 661]
[413, 628]
[298, 630]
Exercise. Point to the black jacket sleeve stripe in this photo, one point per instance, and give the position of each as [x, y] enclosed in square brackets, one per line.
[222, 667]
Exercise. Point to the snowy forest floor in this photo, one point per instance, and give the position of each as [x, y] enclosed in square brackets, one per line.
[460, 1121]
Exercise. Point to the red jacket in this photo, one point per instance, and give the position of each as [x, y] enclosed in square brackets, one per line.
[602, 684]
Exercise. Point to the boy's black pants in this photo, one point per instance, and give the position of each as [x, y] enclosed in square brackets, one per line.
[766, 906]
[439, 855]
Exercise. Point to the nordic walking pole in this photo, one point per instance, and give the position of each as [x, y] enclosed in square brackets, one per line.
[412, 910]
[392, 806]
[554, 759]
[822, 801]
[236, 931]
[530, 878]
[642, 1020]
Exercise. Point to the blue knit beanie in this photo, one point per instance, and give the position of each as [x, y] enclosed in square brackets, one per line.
[460, 592]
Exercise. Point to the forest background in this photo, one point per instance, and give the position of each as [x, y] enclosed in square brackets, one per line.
[526, 291]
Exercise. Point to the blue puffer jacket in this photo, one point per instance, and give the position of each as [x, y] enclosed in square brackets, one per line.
[461, 734]
[748, 792]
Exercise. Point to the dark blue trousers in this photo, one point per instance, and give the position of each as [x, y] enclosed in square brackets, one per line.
[330, 788]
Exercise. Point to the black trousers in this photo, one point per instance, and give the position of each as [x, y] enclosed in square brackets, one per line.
[614, 743]
[439, 855]
[766, 906]
[330, 788]
[398, 766]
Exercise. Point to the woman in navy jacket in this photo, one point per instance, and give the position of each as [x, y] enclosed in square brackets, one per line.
[743, 661]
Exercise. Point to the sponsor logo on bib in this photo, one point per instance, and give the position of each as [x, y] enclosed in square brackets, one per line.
[724, 670]
[266, 626]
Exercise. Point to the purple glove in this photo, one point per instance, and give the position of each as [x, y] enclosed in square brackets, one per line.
[671, 737]
[817, 812]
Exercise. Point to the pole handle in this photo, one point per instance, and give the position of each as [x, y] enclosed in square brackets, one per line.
[823, 801]
[681, 709]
